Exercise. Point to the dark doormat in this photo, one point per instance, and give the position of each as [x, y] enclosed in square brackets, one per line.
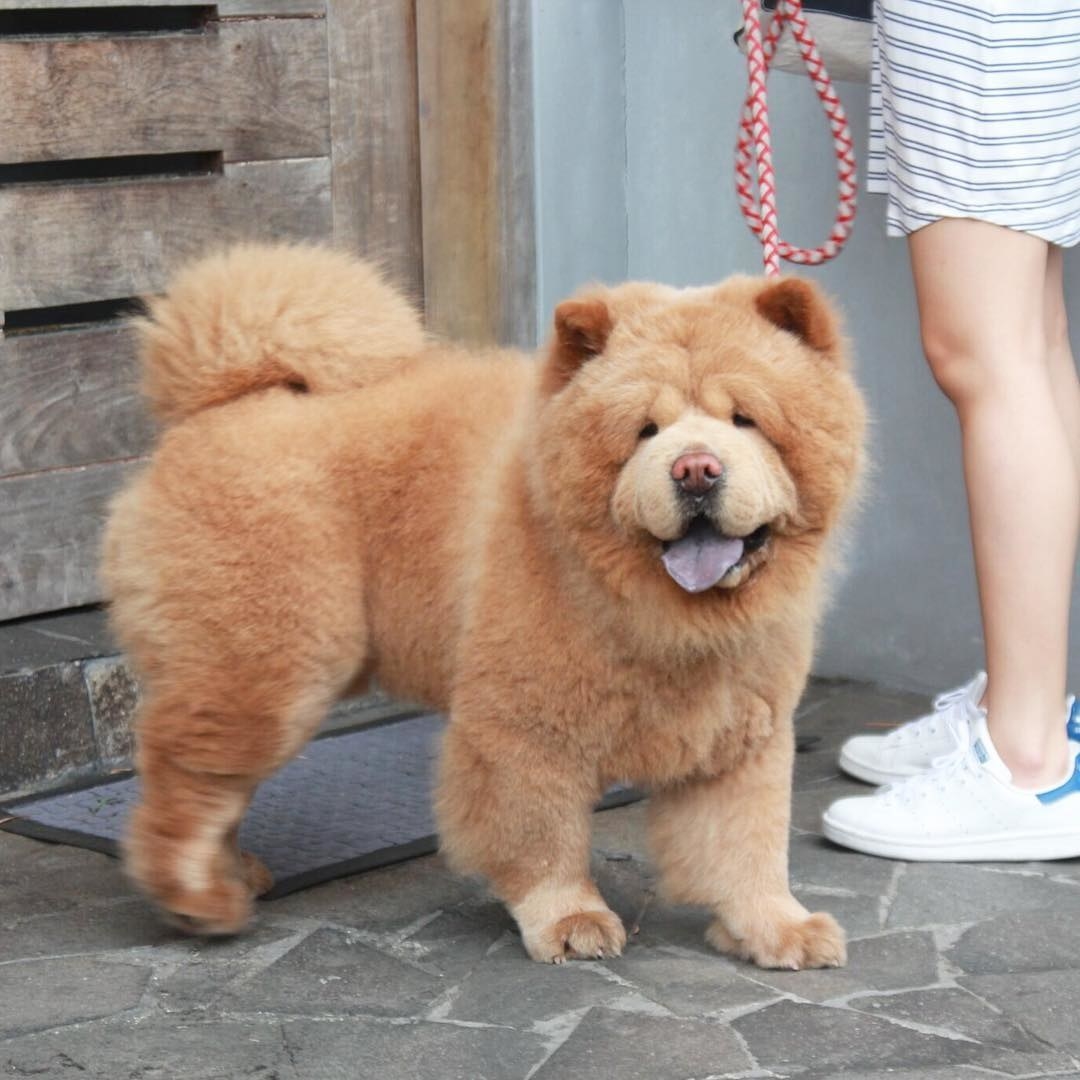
[352, 801]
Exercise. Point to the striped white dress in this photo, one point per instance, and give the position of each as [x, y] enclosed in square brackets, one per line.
[975, 113]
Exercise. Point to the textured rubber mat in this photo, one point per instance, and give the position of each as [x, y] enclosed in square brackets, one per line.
[352, 801]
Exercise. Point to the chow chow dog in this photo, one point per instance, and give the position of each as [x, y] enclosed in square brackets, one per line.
[604, 563]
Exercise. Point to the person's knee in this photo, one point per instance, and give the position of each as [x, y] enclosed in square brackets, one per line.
[953, 362]
[968, 368]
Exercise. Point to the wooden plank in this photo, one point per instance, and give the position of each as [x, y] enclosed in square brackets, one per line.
[50, 530]
[457, 131]
[70, 397]
[102, 241]
[225, 7]
[515, 248]
[276, 8]
[476, 169]
[254, 88]
[46, 5]
[375, 135]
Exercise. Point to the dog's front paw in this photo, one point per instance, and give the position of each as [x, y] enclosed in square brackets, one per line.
[815, 941]
[568, 922]
[585, 935]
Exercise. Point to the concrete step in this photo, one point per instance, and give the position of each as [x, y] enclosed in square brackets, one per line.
[67, 701]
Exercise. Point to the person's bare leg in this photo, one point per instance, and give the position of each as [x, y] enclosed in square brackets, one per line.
[982, 304]
[1059, 357]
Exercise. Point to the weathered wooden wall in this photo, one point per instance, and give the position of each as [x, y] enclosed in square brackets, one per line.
[124, 154]
[252, 88]
[258, 90]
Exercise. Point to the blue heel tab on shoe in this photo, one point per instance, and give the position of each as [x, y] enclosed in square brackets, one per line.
[1072, 727]
[1068, 788]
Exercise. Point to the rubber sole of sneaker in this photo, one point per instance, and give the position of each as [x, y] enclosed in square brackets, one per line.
[869, 774]
[1001, 847]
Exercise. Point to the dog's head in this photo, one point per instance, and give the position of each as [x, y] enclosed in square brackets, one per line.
[692, 443]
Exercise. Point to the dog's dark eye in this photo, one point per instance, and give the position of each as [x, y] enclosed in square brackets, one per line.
[648, 431]
[742, 421]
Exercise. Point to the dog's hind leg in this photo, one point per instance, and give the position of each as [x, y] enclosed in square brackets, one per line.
[237, 587]
[199, 764]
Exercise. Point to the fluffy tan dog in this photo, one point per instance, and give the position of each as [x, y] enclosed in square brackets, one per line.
[604, 563]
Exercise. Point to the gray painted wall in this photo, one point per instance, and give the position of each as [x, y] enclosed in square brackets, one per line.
[637, 105]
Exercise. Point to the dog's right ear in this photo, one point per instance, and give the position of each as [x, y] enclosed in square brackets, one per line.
[582, 328]
[800, 307]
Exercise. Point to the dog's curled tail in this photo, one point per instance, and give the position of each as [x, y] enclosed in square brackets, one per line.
[262, 315]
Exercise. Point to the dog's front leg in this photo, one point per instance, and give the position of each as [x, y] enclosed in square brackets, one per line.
[722, 842]
[521, 817]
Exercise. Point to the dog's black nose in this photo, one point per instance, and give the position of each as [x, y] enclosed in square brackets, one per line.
[697, 472]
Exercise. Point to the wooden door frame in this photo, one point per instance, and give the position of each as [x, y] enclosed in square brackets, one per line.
[475, 107]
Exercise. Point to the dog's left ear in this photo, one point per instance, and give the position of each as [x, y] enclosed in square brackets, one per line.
[800, 307]
[582, 328]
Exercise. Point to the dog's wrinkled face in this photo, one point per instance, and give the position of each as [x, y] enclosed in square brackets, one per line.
[695, 435]
[707, 485]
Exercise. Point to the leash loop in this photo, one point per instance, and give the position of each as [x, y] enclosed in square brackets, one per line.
[754, 132]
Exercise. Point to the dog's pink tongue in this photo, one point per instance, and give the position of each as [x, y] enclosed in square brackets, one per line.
[702, 557]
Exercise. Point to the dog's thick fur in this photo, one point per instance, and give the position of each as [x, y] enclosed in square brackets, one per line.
[335, 497]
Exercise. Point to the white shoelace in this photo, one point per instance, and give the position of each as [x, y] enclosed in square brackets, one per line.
[949, 710]
[959, 766]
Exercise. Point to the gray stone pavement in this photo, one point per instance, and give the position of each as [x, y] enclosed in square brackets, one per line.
[954, 972]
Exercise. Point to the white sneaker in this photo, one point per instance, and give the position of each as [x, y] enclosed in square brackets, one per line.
[964, 809]
[913, 747]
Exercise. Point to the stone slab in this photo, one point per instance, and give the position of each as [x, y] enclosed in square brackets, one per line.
[812, 860]
[673, 924]
[953, 1010]
[56, 991]
[1045, 939]
[392, 898]
[329, 973]
[810, 802]
[105, 927]
[623, 833]
[49, 879]
[839, 709]
[790, 1038]
[687, 983]
[948, 894]
[510, 989]
[358, 1049]
[455, 942]
[200, 971]
[608, 1044]
[1044, 1003]
[153, 1050]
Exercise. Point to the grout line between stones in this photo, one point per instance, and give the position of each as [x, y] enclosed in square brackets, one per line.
[888, 898]
[557, 1030]
[290, 1053]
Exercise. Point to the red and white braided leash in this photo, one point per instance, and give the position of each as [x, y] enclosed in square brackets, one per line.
[755, 132]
